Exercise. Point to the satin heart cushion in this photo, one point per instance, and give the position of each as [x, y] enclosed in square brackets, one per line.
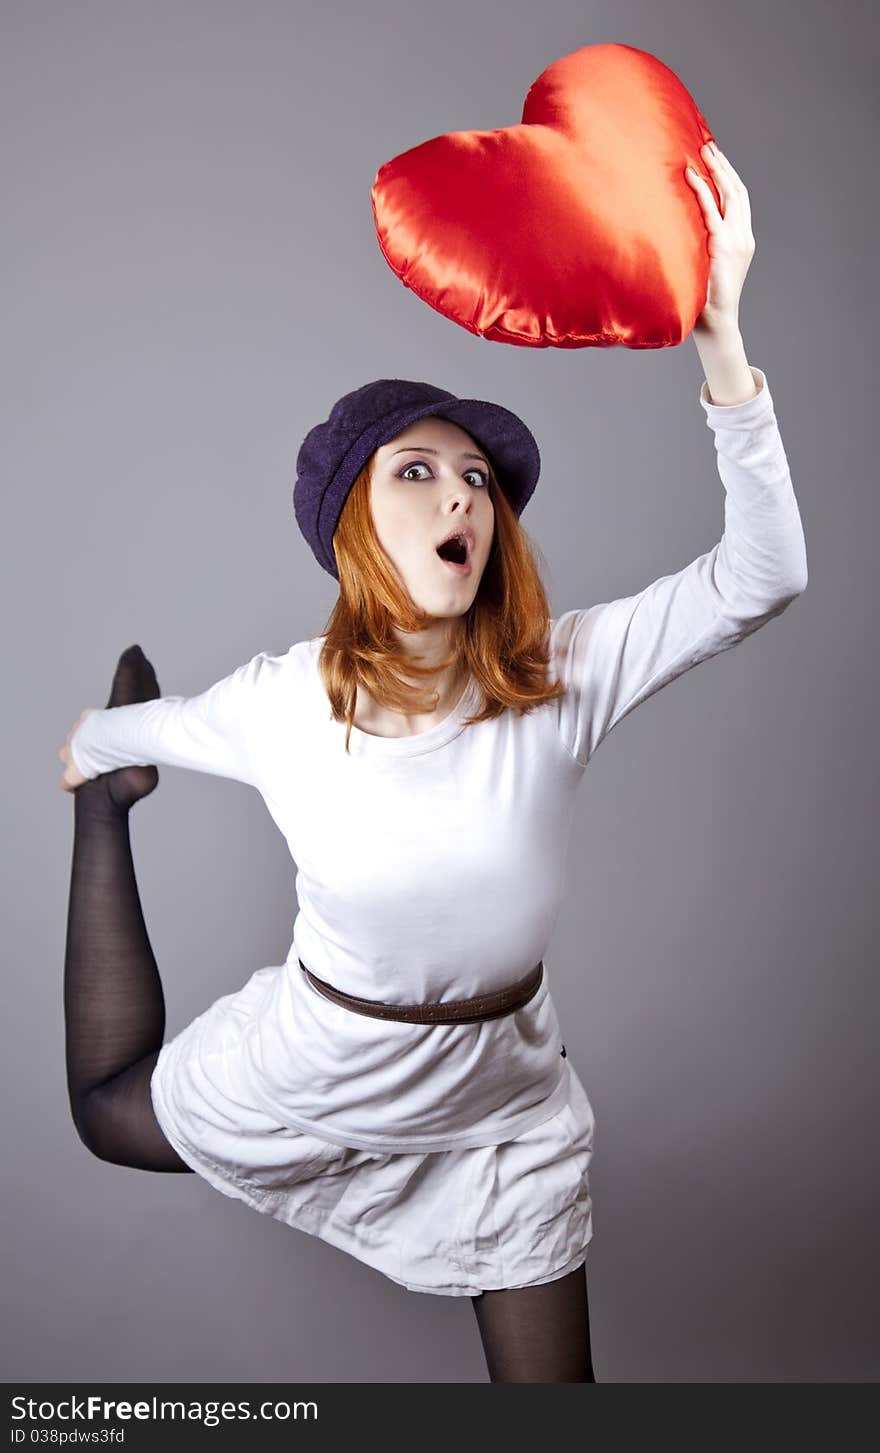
[576, 228]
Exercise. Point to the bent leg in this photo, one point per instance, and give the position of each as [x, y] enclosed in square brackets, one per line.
[114, 1007]
[538, 1333]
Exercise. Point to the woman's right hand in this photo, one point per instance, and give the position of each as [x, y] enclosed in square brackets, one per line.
[72, 777]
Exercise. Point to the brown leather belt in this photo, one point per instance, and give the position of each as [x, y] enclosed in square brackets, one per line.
[450, 1011]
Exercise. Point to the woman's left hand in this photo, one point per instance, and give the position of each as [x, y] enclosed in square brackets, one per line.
[731, 244]
[72, 777]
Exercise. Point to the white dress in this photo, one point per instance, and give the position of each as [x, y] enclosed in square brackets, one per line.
[452, 1158]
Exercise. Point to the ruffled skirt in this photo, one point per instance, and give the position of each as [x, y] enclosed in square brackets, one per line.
[452, 1222]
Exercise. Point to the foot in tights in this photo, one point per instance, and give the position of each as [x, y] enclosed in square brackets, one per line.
[114, 1008]
[539, 1333]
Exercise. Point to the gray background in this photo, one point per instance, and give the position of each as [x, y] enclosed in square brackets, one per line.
[190, 278]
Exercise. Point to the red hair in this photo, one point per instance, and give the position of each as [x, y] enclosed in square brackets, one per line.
[502, 641]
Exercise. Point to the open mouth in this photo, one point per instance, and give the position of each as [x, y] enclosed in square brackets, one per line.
[454, 551]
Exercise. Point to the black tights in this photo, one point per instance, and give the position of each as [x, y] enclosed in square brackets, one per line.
[114, 1008]
[115, 1024]
[537, 1334]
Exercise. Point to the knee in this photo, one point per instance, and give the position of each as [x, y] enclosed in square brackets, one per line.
[88, 1120]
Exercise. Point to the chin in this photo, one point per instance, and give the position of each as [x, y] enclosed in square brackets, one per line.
[453, 602]
[450, 614]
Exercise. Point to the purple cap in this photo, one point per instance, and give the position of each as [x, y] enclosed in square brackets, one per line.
[333, 454]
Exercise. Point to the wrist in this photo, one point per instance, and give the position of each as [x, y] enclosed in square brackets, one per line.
[723, 357]
[723, 329]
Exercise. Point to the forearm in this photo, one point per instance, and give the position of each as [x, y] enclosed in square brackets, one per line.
[211, 732]
[143, 733]
[725, 365]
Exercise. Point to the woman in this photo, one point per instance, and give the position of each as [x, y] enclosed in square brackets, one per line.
[399, 1085]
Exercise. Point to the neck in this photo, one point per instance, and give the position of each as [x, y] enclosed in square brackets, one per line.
[430, 647]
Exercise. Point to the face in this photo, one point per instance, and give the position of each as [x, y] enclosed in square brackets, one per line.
[429, 481]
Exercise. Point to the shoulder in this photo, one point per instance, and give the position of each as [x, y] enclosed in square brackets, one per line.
[276, 674]
[287, 664]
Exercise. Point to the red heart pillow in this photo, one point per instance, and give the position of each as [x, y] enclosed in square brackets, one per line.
[577, 228]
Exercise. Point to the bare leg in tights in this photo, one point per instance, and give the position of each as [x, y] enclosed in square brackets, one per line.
[537, 1334]
[114, 1008]
[115, 1025]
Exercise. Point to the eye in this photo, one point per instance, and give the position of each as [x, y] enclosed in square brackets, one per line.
[420, 464]
[405, 472]
[481, 474]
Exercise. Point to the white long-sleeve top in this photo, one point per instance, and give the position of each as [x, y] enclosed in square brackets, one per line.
[431, 867]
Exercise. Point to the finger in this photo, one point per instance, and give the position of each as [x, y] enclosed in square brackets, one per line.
[704, 194]
[736, 194]
[725, 167]
[732, 189]
[723, 185]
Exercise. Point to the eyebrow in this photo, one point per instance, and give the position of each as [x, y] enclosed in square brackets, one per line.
[422, 450]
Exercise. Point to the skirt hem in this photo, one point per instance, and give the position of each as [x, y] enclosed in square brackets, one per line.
[311, 1221]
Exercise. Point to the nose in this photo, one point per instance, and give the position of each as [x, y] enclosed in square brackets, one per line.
[460, 495]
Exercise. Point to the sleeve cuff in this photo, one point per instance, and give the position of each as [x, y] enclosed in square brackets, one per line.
[739, 416]
[73, 748]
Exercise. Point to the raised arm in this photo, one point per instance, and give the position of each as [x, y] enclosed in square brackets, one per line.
[615, 655]
[213, 732]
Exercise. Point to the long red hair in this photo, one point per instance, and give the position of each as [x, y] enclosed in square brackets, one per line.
[502, 641]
